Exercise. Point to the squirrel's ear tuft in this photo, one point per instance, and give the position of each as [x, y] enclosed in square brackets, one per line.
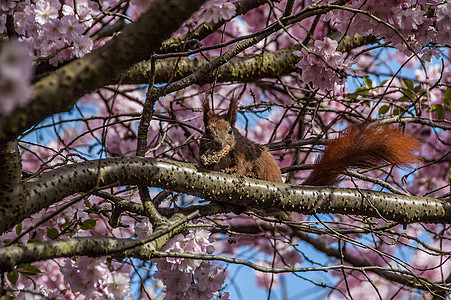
[207, 112]
[233, 109]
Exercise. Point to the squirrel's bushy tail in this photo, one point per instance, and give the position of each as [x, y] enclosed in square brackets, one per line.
[363, 146]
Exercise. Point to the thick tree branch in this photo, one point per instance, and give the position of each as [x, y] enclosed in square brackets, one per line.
[51, 187]
[243, 69]
[10, 176]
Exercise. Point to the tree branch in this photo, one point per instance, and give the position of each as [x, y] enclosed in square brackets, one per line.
[244, 69]
[50, 187]
[10, 176]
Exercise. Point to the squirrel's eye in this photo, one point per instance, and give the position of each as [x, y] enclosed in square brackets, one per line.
[230, 131]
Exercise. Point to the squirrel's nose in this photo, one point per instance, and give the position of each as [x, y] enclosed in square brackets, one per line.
[217, 144]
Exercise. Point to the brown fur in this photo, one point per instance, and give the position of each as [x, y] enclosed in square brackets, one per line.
[245, 157]
[362, 146]
[359, 146]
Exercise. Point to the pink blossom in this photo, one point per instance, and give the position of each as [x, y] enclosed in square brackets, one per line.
[409, 19]
[195, 242]
[264, 279]
[15, 76]
[46, 33]
[434, 72]
[433, 267]
[7, 5]
[405, 5]
[26, 24]
[72, 27]
[84, 14]
[117, 286]
[61, 56]
[203, 284]
[443, 14]
[313, 65]
[210, 279]
[82, 45]
[143, 229]
[359, 287]
[15, 61]
[85, 275]
[12, 95]
[2, 23]
[54, 28]
[33, 293]
[68, 10]
[180, 271]
[46, 10]
[215, 12]
[172, 278]
[92, 278]
[119, 141]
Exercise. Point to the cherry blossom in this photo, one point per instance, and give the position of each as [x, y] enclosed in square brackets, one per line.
[323, 66]
[217, 10]
[15, 76]
[46, 10]
[92, 278]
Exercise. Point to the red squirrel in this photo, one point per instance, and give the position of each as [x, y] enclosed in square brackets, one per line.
[223, 148]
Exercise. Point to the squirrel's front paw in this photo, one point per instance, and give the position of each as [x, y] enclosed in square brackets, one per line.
[229, 170]
[213, 157]
[252, 175]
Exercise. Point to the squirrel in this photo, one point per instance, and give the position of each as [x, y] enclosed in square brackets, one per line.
[223, 148]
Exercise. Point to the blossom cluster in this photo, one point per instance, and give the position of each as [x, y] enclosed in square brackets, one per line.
[323, 65]
[408, 25]
[51, 30]
[92, 278]
[194, 279]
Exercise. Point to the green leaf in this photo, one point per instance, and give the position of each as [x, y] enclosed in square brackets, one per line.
[403, 99]
[28, 269]
[19, 228]
[368, 82]
[88, 224]
[409, 95]
[52, 233]
[384, 109]
[447, 98]
[361, 91]
[408, 83]
[397, 111]
[66, 225]
[13, 276]
[439, 111]
[417, 89]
